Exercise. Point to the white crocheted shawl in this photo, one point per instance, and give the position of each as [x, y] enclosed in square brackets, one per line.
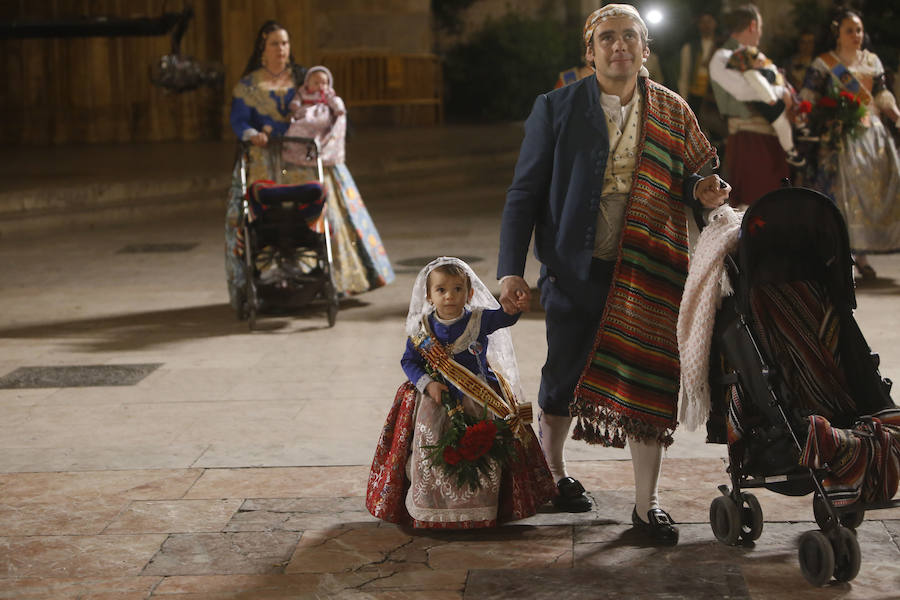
[707, 283]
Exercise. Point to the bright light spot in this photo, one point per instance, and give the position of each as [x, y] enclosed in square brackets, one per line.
[654, 16]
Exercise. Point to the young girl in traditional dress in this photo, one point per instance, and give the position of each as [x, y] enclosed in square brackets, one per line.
[459, 358]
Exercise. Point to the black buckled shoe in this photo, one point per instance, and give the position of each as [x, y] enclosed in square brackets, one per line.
[661, 527]
[571, 496]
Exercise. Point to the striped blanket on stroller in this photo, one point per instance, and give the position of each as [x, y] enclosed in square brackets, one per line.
[800, 331]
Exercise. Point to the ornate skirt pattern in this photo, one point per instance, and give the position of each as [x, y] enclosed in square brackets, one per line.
[867, 189]
[404, 488]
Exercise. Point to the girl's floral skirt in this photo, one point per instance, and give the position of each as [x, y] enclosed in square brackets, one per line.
[404, 488]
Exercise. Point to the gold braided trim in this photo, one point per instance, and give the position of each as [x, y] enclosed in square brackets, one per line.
[832, 61]
[456, 409]
[517, 417]
[522, 413]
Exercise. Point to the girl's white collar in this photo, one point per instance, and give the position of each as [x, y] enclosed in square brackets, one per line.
[448, 321]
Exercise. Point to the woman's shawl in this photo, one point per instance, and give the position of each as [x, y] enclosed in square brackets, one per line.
[253, 107]
[630, 384]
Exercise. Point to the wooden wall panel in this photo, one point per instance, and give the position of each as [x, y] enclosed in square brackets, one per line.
[67, 90]
[98, 89]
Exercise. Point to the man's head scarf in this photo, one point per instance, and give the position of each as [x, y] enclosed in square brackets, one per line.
[613, 11]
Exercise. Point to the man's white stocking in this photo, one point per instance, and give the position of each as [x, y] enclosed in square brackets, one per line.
[552, 432]
[646, 459]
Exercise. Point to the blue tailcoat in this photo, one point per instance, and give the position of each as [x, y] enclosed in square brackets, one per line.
[558, 183]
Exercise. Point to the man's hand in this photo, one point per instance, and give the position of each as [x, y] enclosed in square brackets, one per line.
[434, 389]
[260, 139]
[712, 191]
[515, 295]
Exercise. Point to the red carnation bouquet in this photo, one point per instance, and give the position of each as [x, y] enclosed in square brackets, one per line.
[467, 448]
[838, 115]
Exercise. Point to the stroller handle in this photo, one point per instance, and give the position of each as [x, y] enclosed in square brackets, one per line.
[312, 146]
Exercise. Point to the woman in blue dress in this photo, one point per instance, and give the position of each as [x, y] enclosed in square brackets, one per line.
[260, 111]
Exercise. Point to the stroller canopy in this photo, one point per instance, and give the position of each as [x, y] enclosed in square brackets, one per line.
[796, 234]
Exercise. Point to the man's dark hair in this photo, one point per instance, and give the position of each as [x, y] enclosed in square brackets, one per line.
[740, 18]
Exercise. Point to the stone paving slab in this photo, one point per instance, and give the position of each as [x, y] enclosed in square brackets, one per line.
[82, 556]
[174, 516]
[273, 548]
[74, 517]
[257, 552]
[299, 514]
[149, 484]
[657, 582]
[311, 482]
[93, 588]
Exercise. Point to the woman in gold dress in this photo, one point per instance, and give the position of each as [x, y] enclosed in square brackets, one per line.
[860, 171]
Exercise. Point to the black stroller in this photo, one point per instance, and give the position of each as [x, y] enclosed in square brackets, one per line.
[789, 237]
[287, 240]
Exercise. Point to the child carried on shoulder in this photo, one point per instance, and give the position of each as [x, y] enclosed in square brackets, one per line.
[761, 74]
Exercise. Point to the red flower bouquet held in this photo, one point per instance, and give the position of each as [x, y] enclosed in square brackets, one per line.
[837, 116]
[466, 449]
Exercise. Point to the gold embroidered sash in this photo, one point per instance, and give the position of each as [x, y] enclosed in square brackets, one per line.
[846, 80]
[516, 415]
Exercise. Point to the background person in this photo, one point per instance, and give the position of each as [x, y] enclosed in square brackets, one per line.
[260, 110]
[693, 77]
[802, 59]
[861, 171]
[754, 161]
[765, 79]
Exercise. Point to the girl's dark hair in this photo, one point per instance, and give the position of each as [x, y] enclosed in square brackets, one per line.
[259, 47]
[834, 26]
[448, 269]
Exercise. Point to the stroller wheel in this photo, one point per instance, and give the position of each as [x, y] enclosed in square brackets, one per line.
[331, 297]
[820, 513]
[823, 517]
[816, 558]
[725, 520]
[332, 313]
[252, 303]
[251, 316]
[847, 556]
[852, 520]
[751, 518]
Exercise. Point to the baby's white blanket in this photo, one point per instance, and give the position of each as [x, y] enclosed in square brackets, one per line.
[706, 284]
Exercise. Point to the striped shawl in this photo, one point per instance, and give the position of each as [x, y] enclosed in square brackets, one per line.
[630, 385]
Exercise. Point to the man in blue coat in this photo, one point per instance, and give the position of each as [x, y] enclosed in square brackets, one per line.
[572, 189]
